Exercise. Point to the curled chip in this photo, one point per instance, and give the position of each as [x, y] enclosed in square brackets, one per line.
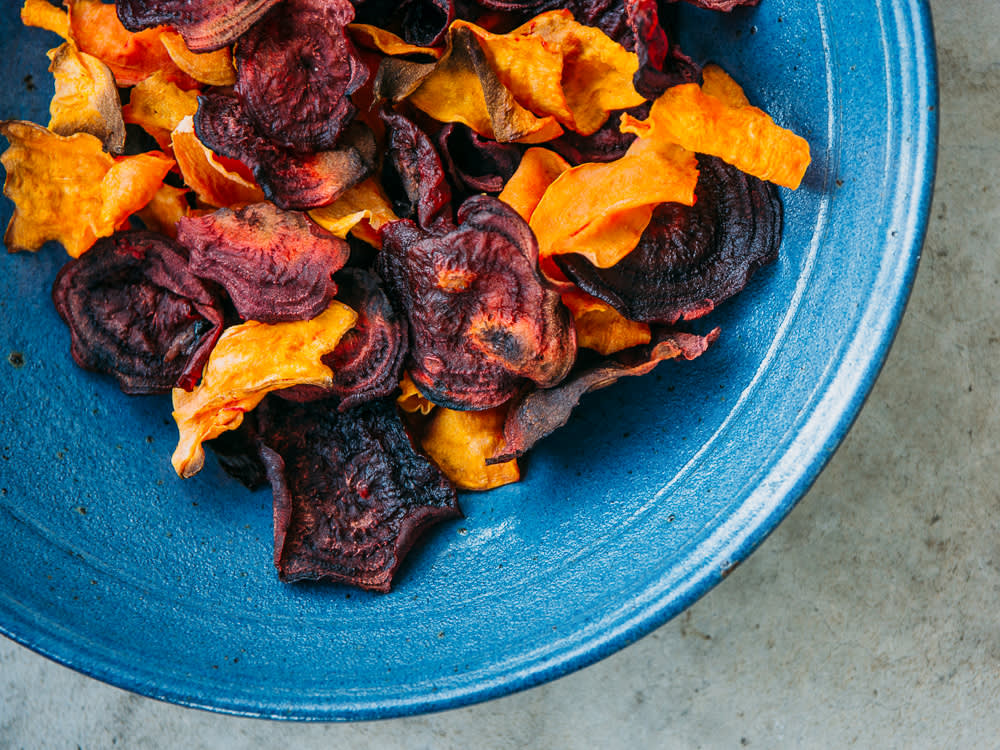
[414, 175]
[459, 442]
[86, 98]
[482, 320]
[743, 136]
[136, 312]
[424, 22]
[158, 107]
[275, 265]
[605, 144]
[291, 180]
[691, 258]
[69, 190]
[212, 181]
[362, 210]
[206, 25]
[249, 361]
[542, 411]
[169, 205]
[295, 71]
[351, 495]
[600, 327]
[211, 68]
[477, 164]
[661, 62]
[538, 169]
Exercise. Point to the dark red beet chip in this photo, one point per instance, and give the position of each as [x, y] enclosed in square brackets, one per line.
[661, 62]
[205, 24]
[275, 265]
[425, 22]
[477, 164]
[723, 5]
[237, 453]
[351, 494]
[295, 71]
[606, 144]
[136, 312]
[414, 176]
[291, 180]
[690, 259]
[483, 322]
[540, 412]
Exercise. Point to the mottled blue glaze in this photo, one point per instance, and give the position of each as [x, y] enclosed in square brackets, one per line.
[112, 565]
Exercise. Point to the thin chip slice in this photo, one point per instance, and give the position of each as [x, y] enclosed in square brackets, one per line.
[66, 188]
[362, 210]
[742, 135]
[212, 182]
[351, 494]
[211, 68]
[86, 98]
[600, 327]
[249, 361]
[411, 400]
[158, 106]
[374, 37]
[538, 169]
[459, 442]
[206, 25]
[168, 206]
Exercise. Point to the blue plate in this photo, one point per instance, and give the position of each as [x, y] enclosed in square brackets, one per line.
[113, 566]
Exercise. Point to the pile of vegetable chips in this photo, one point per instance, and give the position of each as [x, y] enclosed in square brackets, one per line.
[377, 250]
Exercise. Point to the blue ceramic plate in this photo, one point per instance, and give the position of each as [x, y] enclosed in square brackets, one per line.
[112, 565]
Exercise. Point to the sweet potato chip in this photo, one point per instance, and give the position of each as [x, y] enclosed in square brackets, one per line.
[459, 442]
[205, 175]
[249, 361]
[538, 169]
[743, 136]
[374, 37]
[600, 327]
[362, 210]
[211, 68]
[411, 400]
[168, 206]
[540, 412]
[157, 106]
[132, 57]
[601, 210]
[86, 98]
[44, 15]
[66, 188]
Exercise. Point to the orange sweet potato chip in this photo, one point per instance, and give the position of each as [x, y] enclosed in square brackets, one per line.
[538, 169]
[212, 182]
[461, 441]
[362, 210]
[167, 207]
[42, 14]
[411, 400]
[211, 68]
[602, 328]
[249, 361]
[157, 106]
[737, 133]
[86, 98]
[66, 188]
[386, 42]
[601, 209]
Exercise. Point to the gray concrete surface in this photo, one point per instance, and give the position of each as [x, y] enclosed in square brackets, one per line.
[871, 618]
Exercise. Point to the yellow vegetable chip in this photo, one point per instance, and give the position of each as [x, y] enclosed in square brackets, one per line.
[386, 42]
[157, 106]
[362, 209]
[602, 328]
[211, 68]
[66, 188]
[213, 183]
[249, 361]
[167, 207]
[44, 15]
[538, 169]
[86, 98]
[411, 400]
[461, 441]
[739, 134]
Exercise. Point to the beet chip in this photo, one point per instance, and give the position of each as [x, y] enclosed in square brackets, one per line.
[295, 71]
[482, 320]
[351, 494]
[276, 265]
[136, 312]
[723, 5]
[414, 176]
[291, 180]
[540, 412]
[206, 25]
[661, 63]
[477, 164]
[690, 259]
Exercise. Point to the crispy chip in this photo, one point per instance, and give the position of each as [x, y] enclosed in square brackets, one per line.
[167, 207]
[461, 441]
[211, 68]
[86, 98]
[249, 361]
[739, 134]
[718, 83]
[66, 188]
[132, 57]
[600, 327]
[601, 210]
[157, 106]
[361, 210]
[411, 400]
[386, 42]
[44, 15]
[213, 183]
[538, 169]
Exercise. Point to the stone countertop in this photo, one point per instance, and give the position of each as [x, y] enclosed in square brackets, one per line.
[869, 618]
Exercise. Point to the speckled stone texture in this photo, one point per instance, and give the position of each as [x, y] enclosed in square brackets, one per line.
[869, 618]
